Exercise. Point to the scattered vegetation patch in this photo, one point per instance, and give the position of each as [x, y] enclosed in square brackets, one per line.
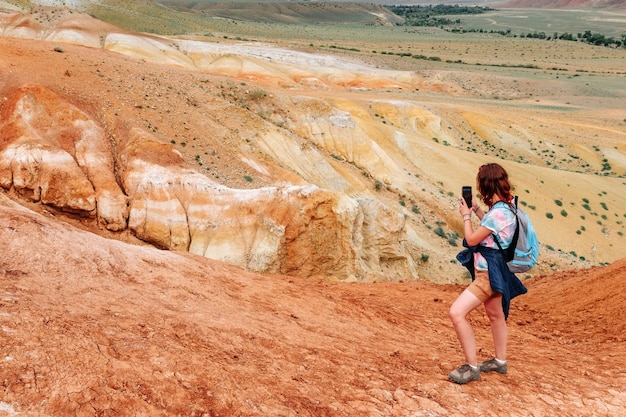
[446, 17]
[433, 15]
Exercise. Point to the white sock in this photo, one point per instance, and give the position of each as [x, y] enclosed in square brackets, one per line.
[500, 362]
[474, 367]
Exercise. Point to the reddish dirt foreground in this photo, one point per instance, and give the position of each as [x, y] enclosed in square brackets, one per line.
[97, 327]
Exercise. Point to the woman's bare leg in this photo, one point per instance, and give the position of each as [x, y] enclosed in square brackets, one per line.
[462, 306]
[493, 307]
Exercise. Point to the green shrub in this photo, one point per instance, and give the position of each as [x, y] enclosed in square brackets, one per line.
[257, 94]
[549, 215]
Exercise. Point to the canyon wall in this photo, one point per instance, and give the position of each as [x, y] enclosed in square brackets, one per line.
[56, 154]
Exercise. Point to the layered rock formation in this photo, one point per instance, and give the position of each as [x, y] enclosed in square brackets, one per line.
[56, 154]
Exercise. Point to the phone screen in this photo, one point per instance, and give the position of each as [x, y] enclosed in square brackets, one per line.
[466, 192]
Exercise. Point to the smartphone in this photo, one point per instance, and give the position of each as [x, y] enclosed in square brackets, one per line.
[466, 192]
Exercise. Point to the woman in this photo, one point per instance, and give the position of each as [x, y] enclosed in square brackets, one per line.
[492, 283]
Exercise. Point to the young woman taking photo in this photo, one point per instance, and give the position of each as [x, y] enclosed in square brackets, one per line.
[492, 283]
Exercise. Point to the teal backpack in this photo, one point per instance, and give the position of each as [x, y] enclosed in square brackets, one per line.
[523, 252]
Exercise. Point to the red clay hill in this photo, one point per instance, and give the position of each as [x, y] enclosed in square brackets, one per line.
[98, 327]
[91, 326]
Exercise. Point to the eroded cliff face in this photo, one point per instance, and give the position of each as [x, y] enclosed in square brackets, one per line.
[56, 154]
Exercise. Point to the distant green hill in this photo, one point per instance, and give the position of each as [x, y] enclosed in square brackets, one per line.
[290, 12]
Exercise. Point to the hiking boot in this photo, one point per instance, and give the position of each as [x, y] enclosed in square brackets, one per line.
[492, 365]
[464, 374]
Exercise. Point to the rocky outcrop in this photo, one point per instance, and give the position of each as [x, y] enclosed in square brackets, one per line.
[54, 153]
[294, 230]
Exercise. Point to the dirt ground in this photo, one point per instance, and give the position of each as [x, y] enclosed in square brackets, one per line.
[96, 327]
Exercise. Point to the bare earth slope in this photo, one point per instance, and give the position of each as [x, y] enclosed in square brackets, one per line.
[95, 322]
[252, 115]
[91, 326]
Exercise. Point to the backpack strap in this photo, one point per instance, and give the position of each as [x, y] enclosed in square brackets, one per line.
[509, 253]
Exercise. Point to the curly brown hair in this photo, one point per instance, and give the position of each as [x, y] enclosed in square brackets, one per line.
[493, 180]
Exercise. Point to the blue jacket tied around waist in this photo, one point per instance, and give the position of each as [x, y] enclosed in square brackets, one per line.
[501, 279]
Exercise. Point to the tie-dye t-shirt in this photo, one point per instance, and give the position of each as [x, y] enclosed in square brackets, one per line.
[500, 220]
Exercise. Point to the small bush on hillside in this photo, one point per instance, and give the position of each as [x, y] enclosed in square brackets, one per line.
[257, 94]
